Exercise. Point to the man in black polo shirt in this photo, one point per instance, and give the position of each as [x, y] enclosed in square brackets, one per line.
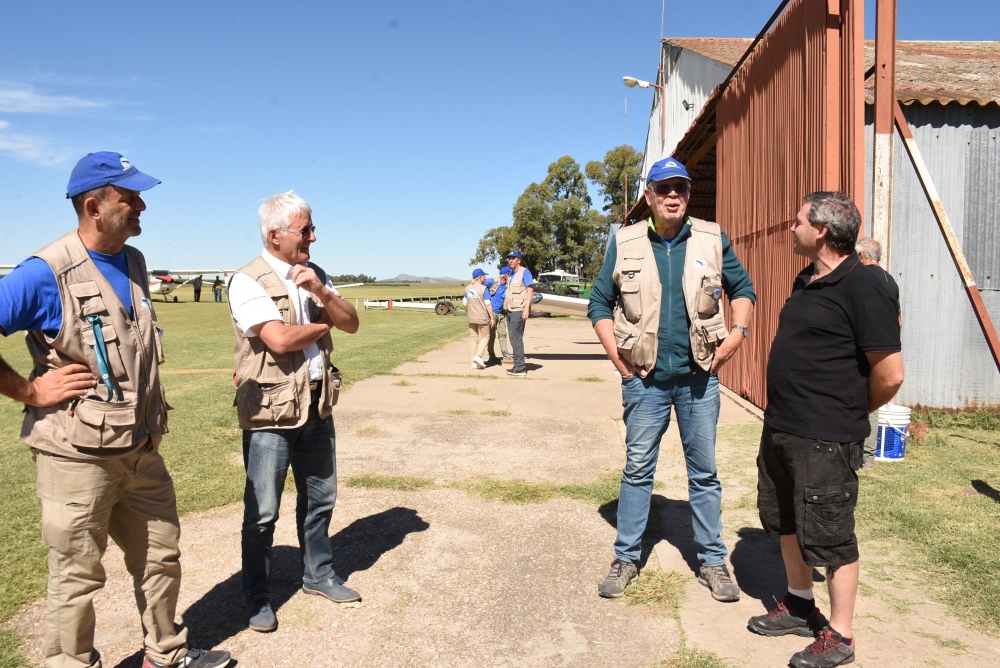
[836, 357]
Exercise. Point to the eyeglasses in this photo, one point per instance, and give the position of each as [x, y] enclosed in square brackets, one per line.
[304, 232]
[664, 189]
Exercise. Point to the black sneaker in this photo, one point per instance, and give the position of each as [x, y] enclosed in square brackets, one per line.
[721, 584]
[825, 652]
[622, 572]
[332, 588]
[515, 372]
[782, 622]
[195, 658]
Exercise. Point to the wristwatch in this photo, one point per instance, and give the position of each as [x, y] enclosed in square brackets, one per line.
[743, 330]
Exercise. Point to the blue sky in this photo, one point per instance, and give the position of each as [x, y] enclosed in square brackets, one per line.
[410, 127]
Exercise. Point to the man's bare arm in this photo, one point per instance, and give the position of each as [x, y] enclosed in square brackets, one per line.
[282, 338]
[886, 377]
[49, 389]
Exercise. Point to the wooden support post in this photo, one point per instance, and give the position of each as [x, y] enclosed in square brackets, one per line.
[885, 98]
[954, 247]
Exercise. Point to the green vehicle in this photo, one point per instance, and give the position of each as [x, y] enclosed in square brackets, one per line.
[563, 283]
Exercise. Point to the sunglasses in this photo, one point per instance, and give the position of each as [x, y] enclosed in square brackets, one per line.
[664, 189]
[304, 232]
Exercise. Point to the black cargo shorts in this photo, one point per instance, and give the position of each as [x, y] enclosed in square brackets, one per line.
[808, 487]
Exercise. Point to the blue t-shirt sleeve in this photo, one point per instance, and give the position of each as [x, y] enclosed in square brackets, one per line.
[526, 277]
[29, 299]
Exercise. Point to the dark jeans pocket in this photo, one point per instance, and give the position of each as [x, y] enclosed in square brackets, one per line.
[829, 513]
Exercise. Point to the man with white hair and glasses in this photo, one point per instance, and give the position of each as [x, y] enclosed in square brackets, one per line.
[283, 309]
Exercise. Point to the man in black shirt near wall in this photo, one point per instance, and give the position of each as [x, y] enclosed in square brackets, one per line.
[835, 357]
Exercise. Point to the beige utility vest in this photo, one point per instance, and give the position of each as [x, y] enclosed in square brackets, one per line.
[516, 291]
[272, 389]
[92, 428]
[637, 313]
[477, 308]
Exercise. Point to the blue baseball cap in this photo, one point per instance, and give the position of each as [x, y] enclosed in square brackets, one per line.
[668, 168]
[514, 254]
[505, 271]
[99, 169]
[477, 272]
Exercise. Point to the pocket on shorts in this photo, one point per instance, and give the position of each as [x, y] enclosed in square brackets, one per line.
[829, 513]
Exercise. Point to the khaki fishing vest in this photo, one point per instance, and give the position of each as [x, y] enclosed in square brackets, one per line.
[637, 313]
[477, 309]
[516, 291]
[272, 389]
[91, 427]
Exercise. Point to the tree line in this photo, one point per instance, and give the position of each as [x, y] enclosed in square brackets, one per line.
[555, 224]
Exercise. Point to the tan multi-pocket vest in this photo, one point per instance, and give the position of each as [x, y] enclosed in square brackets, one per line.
[637, 313]
[477, 308]
[516, 291]
[93, 427]
[273, 389]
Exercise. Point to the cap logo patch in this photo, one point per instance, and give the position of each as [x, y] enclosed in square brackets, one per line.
[126, 165]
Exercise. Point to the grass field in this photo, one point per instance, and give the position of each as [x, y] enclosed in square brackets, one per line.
[198, 344]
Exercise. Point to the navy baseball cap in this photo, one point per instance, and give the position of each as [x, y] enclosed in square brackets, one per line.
[668, 168]
[477, 272]
[99, 169]
[514, 254]
[505, 271]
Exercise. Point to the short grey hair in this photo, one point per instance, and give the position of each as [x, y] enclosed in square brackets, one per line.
[276, 211]
[869, 249]
[838, 213]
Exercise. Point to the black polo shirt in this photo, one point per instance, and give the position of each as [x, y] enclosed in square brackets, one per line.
[817, 373]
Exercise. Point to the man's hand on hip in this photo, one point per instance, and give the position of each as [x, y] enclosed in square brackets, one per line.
[726, 350]
[59, 385]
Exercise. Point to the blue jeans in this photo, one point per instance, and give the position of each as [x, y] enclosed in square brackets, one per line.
[647, 413]
[311, 451]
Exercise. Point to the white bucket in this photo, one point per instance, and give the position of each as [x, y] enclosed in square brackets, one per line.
[893, 428]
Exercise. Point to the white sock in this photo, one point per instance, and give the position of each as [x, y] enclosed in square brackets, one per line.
[802, 593]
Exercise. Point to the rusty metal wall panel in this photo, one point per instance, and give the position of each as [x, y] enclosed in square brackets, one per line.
[948, 363]
[788, 124]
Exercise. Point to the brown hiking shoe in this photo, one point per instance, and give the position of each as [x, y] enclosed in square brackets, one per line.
[718, 580]
[622, 572]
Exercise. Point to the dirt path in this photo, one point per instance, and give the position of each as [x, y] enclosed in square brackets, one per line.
[452, 579]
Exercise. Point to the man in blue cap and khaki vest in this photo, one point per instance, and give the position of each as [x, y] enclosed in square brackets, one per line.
[95, 413]
[656, 308]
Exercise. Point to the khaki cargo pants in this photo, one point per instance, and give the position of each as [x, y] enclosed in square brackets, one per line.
[83, 502]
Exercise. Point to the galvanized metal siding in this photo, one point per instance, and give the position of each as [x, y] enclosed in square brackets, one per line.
[690, 77]
[948, 363]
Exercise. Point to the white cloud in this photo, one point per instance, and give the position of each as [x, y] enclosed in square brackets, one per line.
[27, 148]
[15, 98]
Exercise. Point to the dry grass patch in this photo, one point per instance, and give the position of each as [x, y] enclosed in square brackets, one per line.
[663, 591]
[400, 483]
[498, 413]
[511, 491]
[459, 411]
[471, 390]
[693, 657]
[590, 379]
[371, 432]
[403, 383]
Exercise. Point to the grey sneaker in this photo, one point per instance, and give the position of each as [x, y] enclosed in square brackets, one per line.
[622, 572]
[333, 589]
[261, 616]
[514, 372]
[824, 652]
[782, 622]
[717, 579]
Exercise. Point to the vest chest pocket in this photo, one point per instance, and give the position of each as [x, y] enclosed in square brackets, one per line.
[630, 301]
[112, 344]
[99, 424]
[709, 296]
[88, 298]
[268, 402]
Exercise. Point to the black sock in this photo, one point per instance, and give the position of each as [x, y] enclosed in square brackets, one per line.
[798, 606]
[840, 638]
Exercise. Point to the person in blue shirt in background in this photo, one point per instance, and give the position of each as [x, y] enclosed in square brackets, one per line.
[498, 291]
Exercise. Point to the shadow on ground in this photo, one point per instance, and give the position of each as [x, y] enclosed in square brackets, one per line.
[669, 520]
[986, 489]
[566, 356]
[219, 615]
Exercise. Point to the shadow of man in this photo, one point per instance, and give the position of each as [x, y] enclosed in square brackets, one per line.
[219, 615]
[986, 489]
[669, 520]
[758, 567]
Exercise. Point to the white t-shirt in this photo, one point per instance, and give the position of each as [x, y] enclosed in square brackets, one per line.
[252, 307]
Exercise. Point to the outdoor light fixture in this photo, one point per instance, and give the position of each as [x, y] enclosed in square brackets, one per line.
[632, 82]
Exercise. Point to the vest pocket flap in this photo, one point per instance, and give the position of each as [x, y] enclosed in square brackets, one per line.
[88, 297]
[625, 335]
[267, 402]
[630, 300]
[709, 296]
[629, 266]
[98, 424]
[99, 413]
[84, 289]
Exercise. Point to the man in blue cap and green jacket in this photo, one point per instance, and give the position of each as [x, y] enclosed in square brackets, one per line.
[656, 309]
